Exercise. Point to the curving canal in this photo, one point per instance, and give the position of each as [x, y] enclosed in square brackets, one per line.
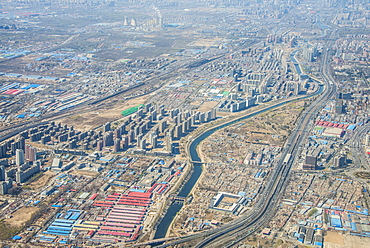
[197, 169]
[296, 64]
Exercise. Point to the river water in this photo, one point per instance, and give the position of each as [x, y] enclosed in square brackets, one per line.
[197, 171]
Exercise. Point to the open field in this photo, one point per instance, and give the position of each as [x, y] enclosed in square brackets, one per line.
[207, 106]
[108, 112]
[337, 240]
[42, 181]
[21, 216]
[85, 173]
[269, 129]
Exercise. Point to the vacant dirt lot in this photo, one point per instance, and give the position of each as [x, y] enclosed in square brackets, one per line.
[207, 106]
[42, 181]
[108, 112]
[268, 129]
[337, 240]
[84, 173]
[21, 216]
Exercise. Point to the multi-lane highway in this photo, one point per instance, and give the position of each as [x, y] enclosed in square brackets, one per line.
[265, 208]
[268, 202]
[358, 150]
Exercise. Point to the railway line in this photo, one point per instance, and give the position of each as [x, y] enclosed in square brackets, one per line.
[9, 131]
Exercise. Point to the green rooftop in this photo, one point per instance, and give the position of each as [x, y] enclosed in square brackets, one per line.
[132, 110]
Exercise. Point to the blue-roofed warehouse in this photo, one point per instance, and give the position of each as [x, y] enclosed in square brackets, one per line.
[335, 222]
